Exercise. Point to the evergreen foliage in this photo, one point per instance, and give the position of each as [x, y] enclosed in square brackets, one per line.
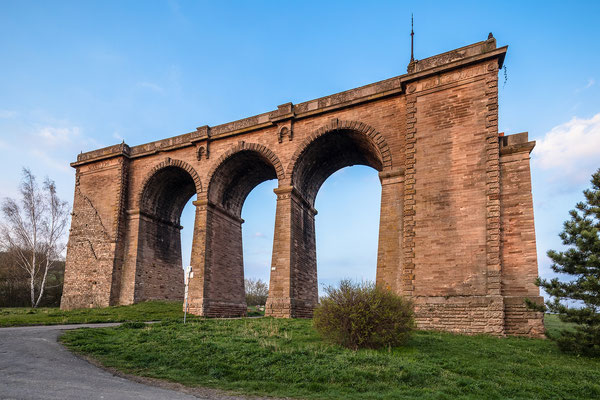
[578, 300]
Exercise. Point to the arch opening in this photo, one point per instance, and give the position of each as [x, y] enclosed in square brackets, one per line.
[236, 177]
[257, 236]
[230, 184]
[166, 194]
[159, 260]
[329, 153]
[347, 226]
[321, 156]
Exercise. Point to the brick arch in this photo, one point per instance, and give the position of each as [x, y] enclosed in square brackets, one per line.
[169, 162]
[338, 125]
[243, 146]
[334, 146]
[238, 171]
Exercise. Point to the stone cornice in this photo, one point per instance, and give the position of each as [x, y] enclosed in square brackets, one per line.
[291, 192]
[475, 53]
[516, 143]
[137, 213]
[204, 203]
[517, 148]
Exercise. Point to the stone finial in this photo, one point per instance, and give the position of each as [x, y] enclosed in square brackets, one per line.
[490, 36]
[203, 131]
[285, 109]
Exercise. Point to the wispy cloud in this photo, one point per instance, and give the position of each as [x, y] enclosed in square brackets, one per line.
[151, 86]
[118, 136]
[591, 82]
[50, 161]
[570, 150]
[6, 114]
[58, 135]
[260, 235]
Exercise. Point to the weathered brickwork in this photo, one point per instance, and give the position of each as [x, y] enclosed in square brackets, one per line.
[456, 221]
[518, 249]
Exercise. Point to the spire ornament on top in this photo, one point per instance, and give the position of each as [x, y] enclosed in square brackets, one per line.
[412, 39]
[413, 62]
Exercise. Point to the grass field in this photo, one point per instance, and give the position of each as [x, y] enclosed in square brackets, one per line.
[149, 311]
[287, 358]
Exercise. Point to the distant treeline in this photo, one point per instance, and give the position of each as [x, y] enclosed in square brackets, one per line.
[14, 284]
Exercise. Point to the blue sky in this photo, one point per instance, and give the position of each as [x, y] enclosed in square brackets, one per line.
[75, 76]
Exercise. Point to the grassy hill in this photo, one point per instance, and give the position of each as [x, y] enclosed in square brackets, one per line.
[287, 358]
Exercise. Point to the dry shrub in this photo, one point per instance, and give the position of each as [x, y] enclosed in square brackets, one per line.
[361, 315]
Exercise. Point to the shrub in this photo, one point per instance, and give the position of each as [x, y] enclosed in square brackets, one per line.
[256, 292]
[361, 315]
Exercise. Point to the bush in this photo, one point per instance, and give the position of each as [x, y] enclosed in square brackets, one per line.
[256, 292]
[361, 315]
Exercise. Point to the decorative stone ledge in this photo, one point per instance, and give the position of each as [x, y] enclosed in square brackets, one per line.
[139, 213]
[203, 203]
[473, 53]
[472, 50]
[290, 191]
[517, 143]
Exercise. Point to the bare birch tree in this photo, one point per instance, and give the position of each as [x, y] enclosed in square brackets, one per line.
[257, 292]
[34, 230]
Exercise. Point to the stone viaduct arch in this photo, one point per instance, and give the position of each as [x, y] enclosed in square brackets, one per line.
[217, 288]
[456, 220]
[153, 267]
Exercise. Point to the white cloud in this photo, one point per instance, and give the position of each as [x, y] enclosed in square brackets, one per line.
[152, 86]
[117, 136]
[6, 114]
[259, 235]
[570, 150]
[54, 136]
[590, 83]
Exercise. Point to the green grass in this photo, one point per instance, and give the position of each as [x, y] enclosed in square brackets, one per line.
[554, 325]
[287, 358]
[148, 311]
[255, 311]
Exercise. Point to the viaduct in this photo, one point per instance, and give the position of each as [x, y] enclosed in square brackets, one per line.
[456, 222]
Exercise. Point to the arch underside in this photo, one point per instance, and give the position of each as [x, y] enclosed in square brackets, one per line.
[166, 194]
[159, 273]
[235, 178]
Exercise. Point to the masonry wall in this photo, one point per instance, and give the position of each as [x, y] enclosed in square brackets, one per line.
[93, 247]
[450, 219]
[159, 273]
[518, 250]
[456, 223]
[389, 253]
[304, 259]
[224, 288]
[448, 173]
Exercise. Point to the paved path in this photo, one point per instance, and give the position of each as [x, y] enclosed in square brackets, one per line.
[33, 365]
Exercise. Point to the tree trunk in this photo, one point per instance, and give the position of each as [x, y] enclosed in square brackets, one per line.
[43, 285]
[32, 289]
